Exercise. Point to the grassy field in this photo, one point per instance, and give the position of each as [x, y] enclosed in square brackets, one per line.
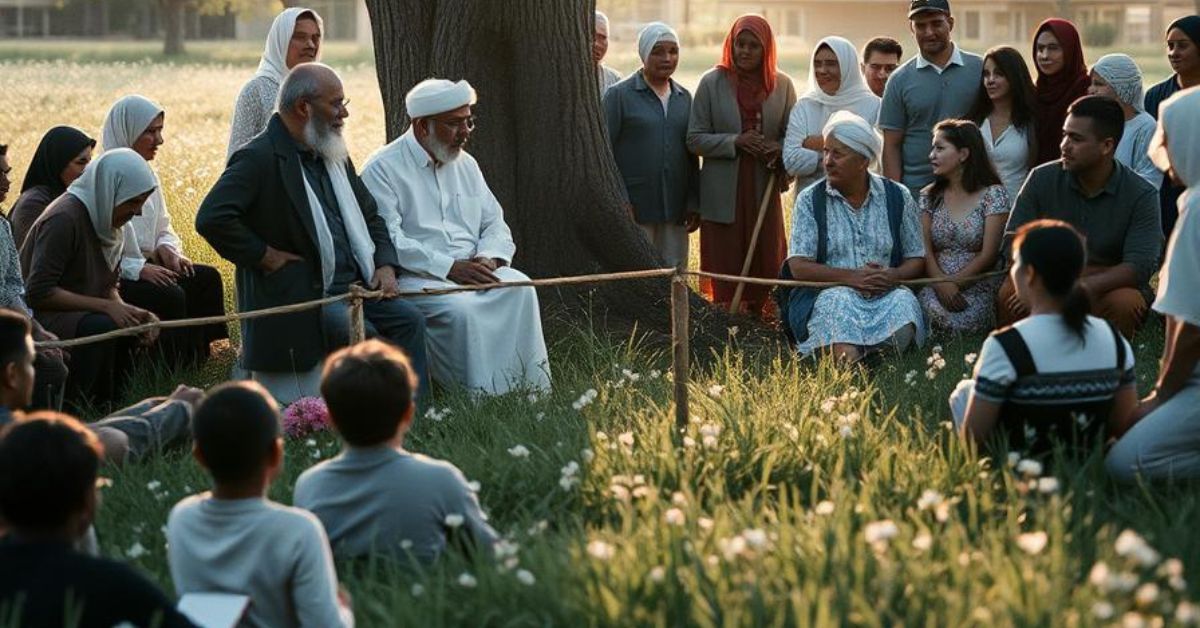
[798, 494]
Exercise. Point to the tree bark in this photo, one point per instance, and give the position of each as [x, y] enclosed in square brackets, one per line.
[540, 141]
[172, 16]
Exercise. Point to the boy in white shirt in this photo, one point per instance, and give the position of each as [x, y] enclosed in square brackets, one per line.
[233, 539]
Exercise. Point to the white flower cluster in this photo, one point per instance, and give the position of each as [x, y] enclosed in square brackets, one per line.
[745, 544]
[1149, 590]
[626, 487]
[879, 533]
[434, 414]
[518, 451]
[569, 476]
[585, 399]
[935, 362]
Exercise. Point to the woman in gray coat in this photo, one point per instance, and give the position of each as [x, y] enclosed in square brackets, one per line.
[647, 116]
[738, 122]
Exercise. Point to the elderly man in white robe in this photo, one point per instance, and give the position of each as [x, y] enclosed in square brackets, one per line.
[449, 230]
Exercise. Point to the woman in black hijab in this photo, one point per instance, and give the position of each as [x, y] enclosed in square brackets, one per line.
[61, 157]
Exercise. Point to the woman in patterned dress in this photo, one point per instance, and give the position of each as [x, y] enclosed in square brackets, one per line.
[962, 214]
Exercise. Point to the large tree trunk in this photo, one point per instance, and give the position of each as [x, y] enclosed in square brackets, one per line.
[540, 141]
[172, 17]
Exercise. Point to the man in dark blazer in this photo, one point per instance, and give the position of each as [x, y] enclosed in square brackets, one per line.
[263, 216]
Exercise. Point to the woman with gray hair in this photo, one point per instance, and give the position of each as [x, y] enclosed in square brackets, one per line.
[1118, 76]
[862, 231]
[647, 116]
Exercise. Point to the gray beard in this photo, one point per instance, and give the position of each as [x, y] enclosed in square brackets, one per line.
[327, 142]
[443, 153]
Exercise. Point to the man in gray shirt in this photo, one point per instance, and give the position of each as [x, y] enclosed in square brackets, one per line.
[375, 497]
[1111, 205]
[938, 84]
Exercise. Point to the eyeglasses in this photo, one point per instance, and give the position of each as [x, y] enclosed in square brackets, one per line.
[467, 123]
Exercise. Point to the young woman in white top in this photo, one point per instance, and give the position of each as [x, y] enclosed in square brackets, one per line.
[1059, 376]
[835, 83]
[1005, 115]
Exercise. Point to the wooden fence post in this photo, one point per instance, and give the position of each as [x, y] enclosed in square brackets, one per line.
[358, 327]
[680, 357]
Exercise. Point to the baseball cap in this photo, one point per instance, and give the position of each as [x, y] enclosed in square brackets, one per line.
[921, 6]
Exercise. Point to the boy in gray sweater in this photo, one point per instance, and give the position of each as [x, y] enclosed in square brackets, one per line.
[235, 540]
[375, 496]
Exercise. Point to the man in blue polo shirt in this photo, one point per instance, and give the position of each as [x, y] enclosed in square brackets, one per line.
[938, 84]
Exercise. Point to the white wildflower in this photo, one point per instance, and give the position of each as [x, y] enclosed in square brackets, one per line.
[845, 431]
[1133, 620]
[929, 498]
[1103, 610]
[732, 547]
[1032, 542]
[525, 577]
[828, 405]
[626, 439]
[466, 580]
[1047, 485]
[418, 590]
[505, 548]
[715, 390]
[587, 455]
[880, 531]
[655, 374]
[705, 523]
[922, 542]
[1029, 468]
[675, 517]
[1187, 614]
[518, 451]
[971, 357]
[453, 520]
[658, 573]
[756, 538]
[679, 499]
[1146, 594]
[931, 373]
[136, 551]
[824, 508]
[153, 485]
[1131, 545]
[600, 550]
[1012, 459]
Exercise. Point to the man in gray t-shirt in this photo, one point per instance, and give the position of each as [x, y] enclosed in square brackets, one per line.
[376, 497]
[938, 84]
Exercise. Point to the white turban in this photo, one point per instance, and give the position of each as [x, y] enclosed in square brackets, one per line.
[851, 130]
[127, 120]
[601, 22]
[653, 33]
[434, 96]
[1123, 74]
[274, 59]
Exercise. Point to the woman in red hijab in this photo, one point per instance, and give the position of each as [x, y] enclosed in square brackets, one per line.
[738, 121]
[1062, 77]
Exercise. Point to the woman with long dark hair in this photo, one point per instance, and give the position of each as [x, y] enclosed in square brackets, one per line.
[1059, 376]
[1006, 115]
[962, 216]
[1062, 78]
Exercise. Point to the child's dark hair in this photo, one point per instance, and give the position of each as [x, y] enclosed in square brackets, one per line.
[368, 388]
[48, 467]
[235, 428]
[1055, 251]
[978, 172]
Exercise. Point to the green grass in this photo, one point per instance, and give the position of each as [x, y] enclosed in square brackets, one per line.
[774, 455]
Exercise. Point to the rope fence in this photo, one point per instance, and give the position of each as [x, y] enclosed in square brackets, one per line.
[680, 310]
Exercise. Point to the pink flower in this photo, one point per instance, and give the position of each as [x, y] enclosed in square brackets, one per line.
[305, 416]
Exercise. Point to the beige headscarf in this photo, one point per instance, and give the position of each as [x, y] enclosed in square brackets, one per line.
[111, 179]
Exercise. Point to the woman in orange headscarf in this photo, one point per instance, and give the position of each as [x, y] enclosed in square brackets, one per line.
[738, 121]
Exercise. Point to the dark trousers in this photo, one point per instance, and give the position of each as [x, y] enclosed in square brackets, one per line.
[49, 381]
[99, 371]
[199, 295]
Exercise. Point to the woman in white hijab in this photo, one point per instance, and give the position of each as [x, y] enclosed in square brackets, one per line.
[295, 38]
[1118, 76]
[835, 83]
[155, 273]
[1165, 443]
[71, 258]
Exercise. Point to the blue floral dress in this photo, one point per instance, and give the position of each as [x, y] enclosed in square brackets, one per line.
[955, 244]
[856, 237]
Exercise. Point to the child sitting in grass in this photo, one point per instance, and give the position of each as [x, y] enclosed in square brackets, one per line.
[235, 540]
[375, 496]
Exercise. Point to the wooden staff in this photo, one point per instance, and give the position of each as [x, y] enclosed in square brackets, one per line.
[680, 356]
[762, 214]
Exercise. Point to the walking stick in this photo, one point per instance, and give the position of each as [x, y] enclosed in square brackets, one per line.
[762, 213]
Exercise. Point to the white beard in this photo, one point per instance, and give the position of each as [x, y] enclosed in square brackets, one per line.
[443, 153]
[325, 141]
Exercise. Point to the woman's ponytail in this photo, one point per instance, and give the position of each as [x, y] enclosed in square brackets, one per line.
[1075, 311]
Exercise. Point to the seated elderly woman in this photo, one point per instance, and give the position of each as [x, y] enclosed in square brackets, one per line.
[71, 258]
[59, 159]
[155, 273]
[860, 230]
[1058, 377]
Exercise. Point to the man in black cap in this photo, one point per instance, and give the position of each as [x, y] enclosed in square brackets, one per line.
[938, 84]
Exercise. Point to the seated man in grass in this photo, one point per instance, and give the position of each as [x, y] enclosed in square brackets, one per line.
[48, 470]
[233, 539]
[127, 435]
[375, 496]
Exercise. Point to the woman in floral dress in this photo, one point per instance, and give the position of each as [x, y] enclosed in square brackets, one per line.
[963, 214]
